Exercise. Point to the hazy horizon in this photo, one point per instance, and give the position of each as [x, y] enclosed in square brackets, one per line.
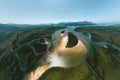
[55, 11]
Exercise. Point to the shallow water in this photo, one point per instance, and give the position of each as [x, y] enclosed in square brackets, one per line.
[104, 43]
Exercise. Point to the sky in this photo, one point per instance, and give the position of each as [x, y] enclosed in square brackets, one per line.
[54, 11]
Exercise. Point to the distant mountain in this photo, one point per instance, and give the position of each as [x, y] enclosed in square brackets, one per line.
[82, 23]
[7, 27]
[14, 26]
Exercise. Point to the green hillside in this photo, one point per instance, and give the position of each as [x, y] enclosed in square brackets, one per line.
[17, 57]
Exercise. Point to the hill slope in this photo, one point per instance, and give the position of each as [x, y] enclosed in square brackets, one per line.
[17, 59]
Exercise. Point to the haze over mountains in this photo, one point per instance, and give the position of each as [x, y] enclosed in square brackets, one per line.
[4, 27]
[81, 23]
[65, 24]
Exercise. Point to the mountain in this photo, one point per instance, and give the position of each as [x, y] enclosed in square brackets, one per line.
[4, 27]
[82, 23]
[15, 26]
